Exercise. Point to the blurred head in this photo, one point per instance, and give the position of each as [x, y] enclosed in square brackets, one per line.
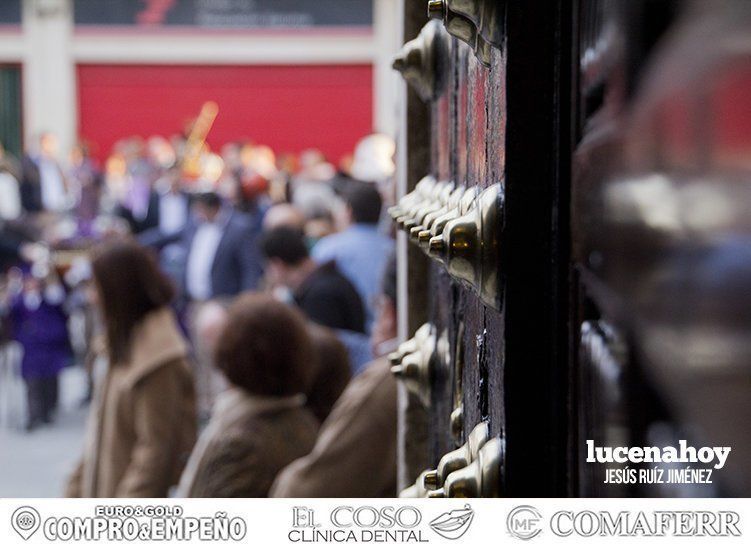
[129, 285]
[363, 202]
[320, 225]
[160, 151]
[283, 215]
[287, 258]
[48, 144]
[206, 206]
[79, 154]
[250, 354]
[231, 155]
[210, 322]
[311, 157]
[385, 324]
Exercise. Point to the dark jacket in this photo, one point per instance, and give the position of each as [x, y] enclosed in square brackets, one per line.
[237, 264]
[149, 221]
[30, 186]
[329, 299]
[13, 234]
[9, 248]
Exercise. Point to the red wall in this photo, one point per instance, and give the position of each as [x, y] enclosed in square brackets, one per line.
[289, 108]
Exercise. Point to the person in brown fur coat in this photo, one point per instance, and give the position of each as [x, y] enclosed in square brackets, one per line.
[260, 424]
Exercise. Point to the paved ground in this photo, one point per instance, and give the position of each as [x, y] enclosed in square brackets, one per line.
[36, 464]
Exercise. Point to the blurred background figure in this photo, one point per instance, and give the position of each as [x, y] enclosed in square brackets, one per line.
[217, 256]
[86, 184]
[43, 185]
[328, 362]
[320, 290]
[360, 250]
[173, 210]
[260, 424]
[195, 173]
[311, 190]
[40, 327]
[320, 224]
[174, 202]
[359, 436]
[284, 215]
[331, 370]
[142, 424]
[10, 193]
[137, 200]
[221, 249]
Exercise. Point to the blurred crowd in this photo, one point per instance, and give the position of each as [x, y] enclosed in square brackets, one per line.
[231, 309]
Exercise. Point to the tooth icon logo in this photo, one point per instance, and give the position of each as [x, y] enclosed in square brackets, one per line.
[25, 521]
[452, 525]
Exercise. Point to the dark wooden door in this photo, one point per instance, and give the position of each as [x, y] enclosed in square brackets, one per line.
[499, 120]
[619, 293]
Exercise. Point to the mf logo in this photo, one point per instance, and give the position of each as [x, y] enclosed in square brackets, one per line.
[524, 522]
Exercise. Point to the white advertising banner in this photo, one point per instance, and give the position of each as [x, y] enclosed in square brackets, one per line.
[284, 521]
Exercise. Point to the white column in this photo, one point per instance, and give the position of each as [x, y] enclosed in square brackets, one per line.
[49, 74]
[402, 292]
[387, 37]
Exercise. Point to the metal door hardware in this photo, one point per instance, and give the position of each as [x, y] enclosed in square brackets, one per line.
[417, 369]
[465, 203]
[414, 371]
[430, 200]
[411, 345]
[479, 23]
[458, 458]
[443, 192]
[416, 490]
[456, 421]
[427, 219]
[422, 191]
[469, 246]
[421, 61]
[424, 205]
[480, 478]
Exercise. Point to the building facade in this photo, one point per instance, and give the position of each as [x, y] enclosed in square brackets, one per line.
[102, 70]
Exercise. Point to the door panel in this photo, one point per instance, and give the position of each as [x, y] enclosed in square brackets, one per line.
[10, 109]
[619, 152]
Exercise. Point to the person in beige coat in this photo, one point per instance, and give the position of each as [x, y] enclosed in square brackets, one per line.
[261, 423]
[142, 423]
[355, 453]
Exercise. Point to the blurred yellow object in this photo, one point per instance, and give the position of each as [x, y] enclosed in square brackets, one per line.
[191, 163]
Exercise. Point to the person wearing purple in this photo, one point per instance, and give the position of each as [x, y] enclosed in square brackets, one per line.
[39, 324]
